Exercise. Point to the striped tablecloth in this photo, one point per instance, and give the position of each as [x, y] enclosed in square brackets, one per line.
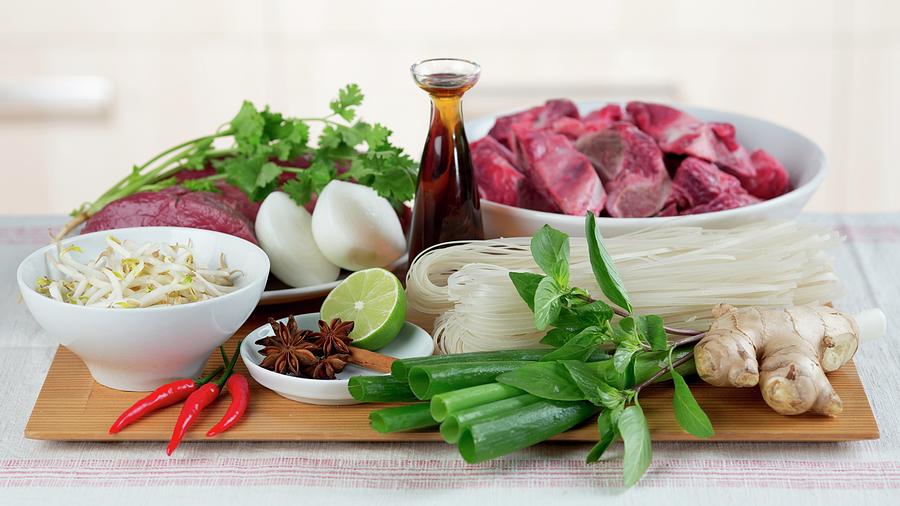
[36, 472]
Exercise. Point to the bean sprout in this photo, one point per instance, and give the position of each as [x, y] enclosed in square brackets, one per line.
[130, 275]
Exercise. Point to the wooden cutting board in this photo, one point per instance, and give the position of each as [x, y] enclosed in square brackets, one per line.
[73, 407]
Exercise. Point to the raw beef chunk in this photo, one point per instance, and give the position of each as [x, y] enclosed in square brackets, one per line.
[723, 202]
[604, 117]
[680, 133]
[552, 110]
[559, 172]
[536, 118]
[174, 207]
[570, 127]
[771, 178]
[631, 167]
[698, 182]
[700, 187]
[500, 180]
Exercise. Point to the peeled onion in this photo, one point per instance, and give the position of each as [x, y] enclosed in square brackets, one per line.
[355, 228]
[284, 232]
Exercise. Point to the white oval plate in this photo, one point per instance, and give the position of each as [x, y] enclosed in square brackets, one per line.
[282, 295]
[412, 342]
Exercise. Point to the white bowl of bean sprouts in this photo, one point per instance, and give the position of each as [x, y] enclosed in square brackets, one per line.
[143, 306]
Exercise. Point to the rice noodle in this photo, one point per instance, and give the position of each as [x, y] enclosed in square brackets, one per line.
[463, 291]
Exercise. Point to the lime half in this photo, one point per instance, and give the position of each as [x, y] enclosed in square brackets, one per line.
[374, 301]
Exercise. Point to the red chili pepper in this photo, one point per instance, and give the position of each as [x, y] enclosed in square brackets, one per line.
[196, 402]
[162, 397]
[240, 395]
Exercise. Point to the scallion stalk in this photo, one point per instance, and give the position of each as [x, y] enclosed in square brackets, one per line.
[521, 428]
[401, 418]
[451, 402]
[428, 380]
[400, 368]
[380, 389]
[454, 423]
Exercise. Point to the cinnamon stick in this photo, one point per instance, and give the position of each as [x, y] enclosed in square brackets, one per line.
[371, 360]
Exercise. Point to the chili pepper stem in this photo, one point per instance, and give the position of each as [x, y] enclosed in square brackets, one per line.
[229, 367]
[209, 377]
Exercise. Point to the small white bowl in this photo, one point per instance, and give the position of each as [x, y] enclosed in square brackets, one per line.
[140, 349]
[412, 342]
[802, 158]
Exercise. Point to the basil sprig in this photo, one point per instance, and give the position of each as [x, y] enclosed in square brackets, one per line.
[579, 327]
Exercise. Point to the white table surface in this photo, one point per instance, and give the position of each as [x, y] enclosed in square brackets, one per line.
[40, 472]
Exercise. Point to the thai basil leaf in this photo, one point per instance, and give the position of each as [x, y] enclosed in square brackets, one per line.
[526, 284]
[592, 385]
[547, 380]
[606, 425]
[638, 451]
[688, 413]
[557, 337]
[648, 329]
[625, 354]
[550, 249]
[655, 332]
[648, 363]
[579, 347]
[596, 313]
[547, 303]
[603, 266]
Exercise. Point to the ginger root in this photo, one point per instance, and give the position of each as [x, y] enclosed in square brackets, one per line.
[785, 351]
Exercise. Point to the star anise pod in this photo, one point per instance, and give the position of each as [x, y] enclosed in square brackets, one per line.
[326, 367]
[279, 328]
[334, 337]
[290, 350]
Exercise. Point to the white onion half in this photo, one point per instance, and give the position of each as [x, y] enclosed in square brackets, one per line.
[356, 228]
[284, 232]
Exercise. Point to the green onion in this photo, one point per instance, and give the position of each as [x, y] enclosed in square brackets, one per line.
[451, 402]
[426, 381]
[409, 417]
[379, 389]
[521, 428]
[454, 423]
[400, 368]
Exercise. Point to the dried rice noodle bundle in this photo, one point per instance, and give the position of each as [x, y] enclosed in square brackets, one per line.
[463, 291]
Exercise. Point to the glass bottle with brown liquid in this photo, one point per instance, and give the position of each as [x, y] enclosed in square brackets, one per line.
[446, 206]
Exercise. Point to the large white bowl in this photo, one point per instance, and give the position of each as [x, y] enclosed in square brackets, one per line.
[143, 348]
[411, 342]
[802, 158]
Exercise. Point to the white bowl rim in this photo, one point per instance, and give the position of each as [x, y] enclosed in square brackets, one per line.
[40, 252]
[297, 381]
[802, 190]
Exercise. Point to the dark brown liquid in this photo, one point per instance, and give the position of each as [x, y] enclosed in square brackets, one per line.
[446, 206]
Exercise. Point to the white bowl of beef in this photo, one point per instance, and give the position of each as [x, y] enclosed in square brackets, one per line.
[553, 163]
[139, 349]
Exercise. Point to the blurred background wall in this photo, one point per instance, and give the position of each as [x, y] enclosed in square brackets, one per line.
[89, 88]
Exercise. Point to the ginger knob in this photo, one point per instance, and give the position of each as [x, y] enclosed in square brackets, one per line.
[785, 351]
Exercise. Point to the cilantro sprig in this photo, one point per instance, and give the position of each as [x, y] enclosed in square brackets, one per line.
[269, 151]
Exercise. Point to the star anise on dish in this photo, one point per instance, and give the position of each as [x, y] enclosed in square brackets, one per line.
[290, 351]
[333, 338]
[326, 367]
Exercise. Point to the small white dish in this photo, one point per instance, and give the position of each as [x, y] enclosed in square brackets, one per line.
[140, 349]
[412, 342]
[273, 295]
[802, 158]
